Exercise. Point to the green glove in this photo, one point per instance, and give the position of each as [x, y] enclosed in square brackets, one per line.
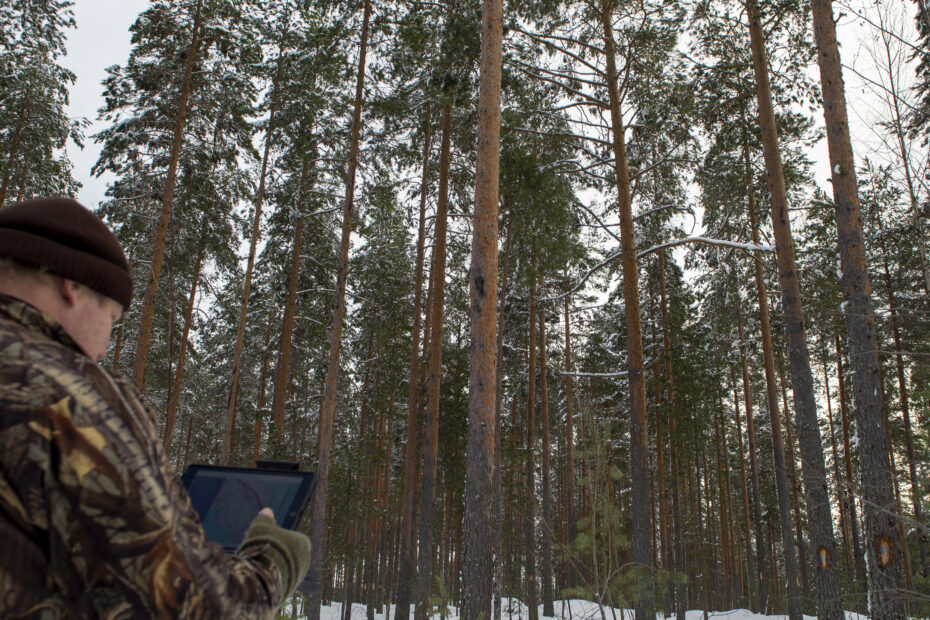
[288, 551]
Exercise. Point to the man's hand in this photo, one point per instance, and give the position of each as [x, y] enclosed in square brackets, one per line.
[289, 551]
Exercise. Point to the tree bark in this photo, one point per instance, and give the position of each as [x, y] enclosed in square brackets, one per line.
[480, 491]
[850, 489]
[884, 577]
[548, 608]
[761, 547]
[572, 528]
[642, 525]
[820, 519]
[498, 478]
[431, 426]
[795, 485]
[405, 575]
[482, 433]
[747, 528]
[172, 409]
[231, 408]
[11, 155]
[328, 407]
[283, 367]
[905, 406]
[680, 594]
[529, 520]
[778, 446]
[161, 232]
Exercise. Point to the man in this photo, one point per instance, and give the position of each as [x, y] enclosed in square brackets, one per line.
[94, 522]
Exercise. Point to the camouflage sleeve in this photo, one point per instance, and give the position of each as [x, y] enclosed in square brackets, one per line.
[121, 512]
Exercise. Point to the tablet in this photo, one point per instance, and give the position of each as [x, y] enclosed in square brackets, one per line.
[228, 498]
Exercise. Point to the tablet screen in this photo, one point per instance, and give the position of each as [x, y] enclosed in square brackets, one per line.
[228, 498]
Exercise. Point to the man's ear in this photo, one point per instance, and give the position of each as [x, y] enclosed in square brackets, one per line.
[68, 291]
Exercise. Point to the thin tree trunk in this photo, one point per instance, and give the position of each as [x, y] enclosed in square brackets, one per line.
[405, 576]
[548, 608]
[231, 408]
[572, 527]
[260, 405]
[680, 594]
[883, 542]
[498, 480]
[179, 370]
[529, 521]
[747, 528]
[778, 447]
[431, 426]
[795, 485]
[283, 366]
[482, 426]
[905, 407]
[328, 407]
[897, 125]
[161, 232]
[639, 431]
[840, 483]
[850, 488]
[820, 520]
[761, 547]
[11, 155]
[118, 347]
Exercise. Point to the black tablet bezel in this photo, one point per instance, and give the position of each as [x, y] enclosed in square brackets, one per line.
[295, 512]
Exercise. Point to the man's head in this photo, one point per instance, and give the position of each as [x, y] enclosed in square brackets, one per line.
[62, 259]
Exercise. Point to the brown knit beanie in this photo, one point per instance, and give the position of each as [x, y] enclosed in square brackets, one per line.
[63, 237]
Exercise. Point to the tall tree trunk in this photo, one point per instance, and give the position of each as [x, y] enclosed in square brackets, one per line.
[118, 347]
[572, 528]
[905, 407]
[778, 446]
[529, 520]
[247, 282]
[639, 431]
[839, 482]
[896, 124]
[161, 232]
[747, 528]
[479, 480]
[548, 608]
[850, 489]
[795, 485]
[431, 426]
[883, 542]
[498, 479]
[172, 409]
[680, 595]
[761, 547]
[328, 406]
[405, 575]
[820, 520]
[11, 156]
[283, 367]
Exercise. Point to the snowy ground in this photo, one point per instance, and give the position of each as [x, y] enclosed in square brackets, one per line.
[564, 610]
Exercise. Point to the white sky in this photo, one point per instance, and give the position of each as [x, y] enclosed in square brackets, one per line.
[100, 40]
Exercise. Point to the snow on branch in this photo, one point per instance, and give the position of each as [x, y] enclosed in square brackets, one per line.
[719, 242]
[595, 374]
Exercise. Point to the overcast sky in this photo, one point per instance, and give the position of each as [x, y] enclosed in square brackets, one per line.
[100, 40]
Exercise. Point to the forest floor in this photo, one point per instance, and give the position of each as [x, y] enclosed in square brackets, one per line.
[564, 610]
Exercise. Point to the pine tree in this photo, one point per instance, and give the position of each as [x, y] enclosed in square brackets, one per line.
[34, 126]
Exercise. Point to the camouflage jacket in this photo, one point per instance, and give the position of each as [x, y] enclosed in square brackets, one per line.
[94, 521]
